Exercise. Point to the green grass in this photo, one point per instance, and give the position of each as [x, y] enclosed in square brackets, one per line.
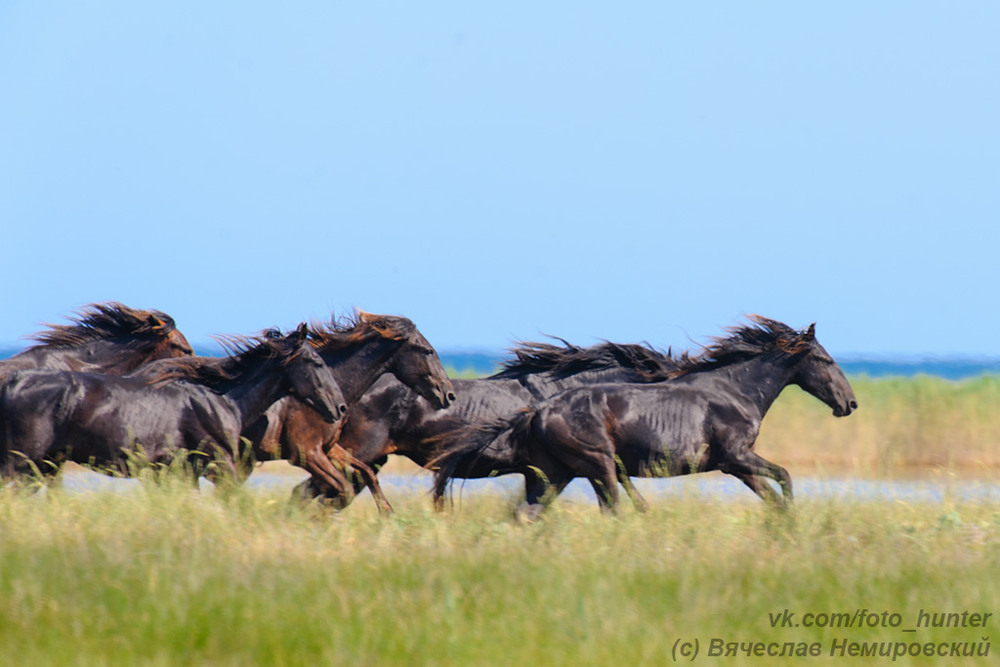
[165, 575]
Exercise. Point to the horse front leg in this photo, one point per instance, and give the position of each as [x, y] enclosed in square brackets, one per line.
[749, 468]
[338, 454]
[319, 465]
[760, 486]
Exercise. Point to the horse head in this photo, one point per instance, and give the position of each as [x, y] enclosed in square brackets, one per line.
[310, 378]
[414, 361]
[818, 374]
[170, 343]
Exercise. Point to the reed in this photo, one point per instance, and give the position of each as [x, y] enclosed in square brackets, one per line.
[160, 574]
[903, 425]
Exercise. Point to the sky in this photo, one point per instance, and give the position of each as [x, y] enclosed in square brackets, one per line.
[499, 172]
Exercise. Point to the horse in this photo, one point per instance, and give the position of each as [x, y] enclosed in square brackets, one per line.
[105, 338]
[389, 419]
[48, 417]
[358, 352]
[705, 418]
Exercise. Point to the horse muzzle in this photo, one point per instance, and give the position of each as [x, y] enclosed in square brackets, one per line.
[448, 399]
[845, 409]
[441, 397]
[329, 415]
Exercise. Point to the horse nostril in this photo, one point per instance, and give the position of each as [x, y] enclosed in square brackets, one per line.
[854, 405]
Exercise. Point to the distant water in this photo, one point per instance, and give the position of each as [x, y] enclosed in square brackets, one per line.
[702, 487]
[951, 368]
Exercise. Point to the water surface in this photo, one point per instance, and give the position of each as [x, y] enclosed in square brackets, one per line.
[710, 486]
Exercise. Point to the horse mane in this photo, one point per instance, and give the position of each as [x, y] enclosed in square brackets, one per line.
[568, 359]
[244, 356]
[761, 336]
[104, 321]
[358, 328]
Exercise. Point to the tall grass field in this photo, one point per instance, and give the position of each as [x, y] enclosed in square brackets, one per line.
[155, 573]
[902, 426]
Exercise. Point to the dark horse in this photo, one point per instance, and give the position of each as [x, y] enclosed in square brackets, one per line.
[358, 352]
[389, 419]
[47, 417]
[706, 418]
[106, 338]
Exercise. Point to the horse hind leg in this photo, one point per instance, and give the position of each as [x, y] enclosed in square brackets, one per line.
[640, 503]
[539, 492]
[607, 496]
[605, 485]
[593, 461]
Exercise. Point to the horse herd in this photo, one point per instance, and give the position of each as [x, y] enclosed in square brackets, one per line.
[337, 399]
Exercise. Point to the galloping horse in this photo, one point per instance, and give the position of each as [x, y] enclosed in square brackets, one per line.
[389, 419]
[47, 417]
[706, 418]
[358, 352]
[106, 338]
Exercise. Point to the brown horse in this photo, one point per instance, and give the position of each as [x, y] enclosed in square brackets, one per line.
[358, 352]
[706, 418]
[106, 338]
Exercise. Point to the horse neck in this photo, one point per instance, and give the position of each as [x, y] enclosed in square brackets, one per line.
[358, 366]
[103, 356]
[255, 393]
[759, 380]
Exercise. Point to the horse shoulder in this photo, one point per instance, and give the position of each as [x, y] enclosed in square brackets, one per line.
[206, 418]
[265, 431]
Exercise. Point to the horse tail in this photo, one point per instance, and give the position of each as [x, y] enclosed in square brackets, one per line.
[499, 444]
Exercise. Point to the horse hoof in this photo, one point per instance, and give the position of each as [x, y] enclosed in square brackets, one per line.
[527, 513]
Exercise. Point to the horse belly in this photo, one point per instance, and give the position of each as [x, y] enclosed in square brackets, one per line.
[58, 416]
[663, 440]
[112, 423]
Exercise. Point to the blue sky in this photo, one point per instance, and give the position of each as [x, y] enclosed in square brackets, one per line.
[640, 172]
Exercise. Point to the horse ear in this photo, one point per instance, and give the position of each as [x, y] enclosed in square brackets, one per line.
[155, 322]
[301, 333]
[811, 331]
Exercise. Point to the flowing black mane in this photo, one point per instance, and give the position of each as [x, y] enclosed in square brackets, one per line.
[358, 328]
[568, 359]
[104, 321]
[246, 355]
[761, 336]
